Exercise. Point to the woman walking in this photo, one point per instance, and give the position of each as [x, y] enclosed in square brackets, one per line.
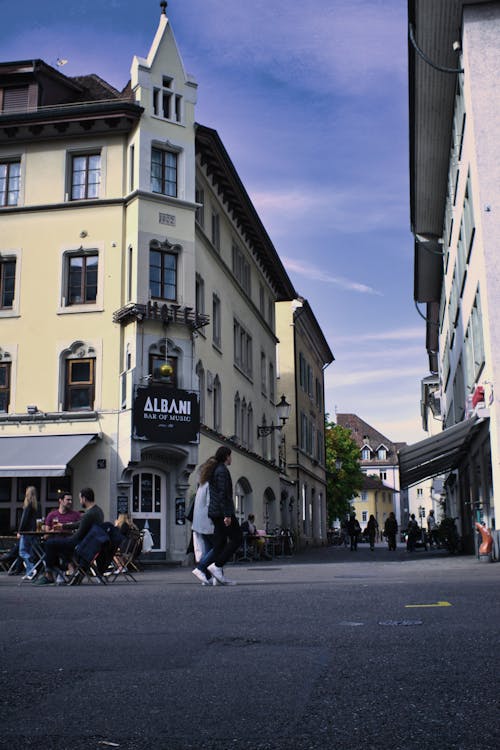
[28, 523]
[227, 531]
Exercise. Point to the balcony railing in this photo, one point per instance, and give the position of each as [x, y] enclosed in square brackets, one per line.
[164, 313]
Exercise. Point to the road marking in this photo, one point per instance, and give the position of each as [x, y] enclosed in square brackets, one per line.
[437, 604]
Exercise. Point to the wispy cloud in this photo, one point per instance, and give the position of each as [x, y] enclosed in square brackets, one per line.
[396, 334]
[318, 274]
[372, 375]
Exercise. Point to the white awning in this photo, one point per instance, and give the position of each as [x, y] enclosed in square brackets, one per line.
[39, 455]
[437, 454]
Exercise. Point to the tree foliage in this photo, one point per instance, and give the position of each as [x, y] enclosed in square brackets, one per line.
[342, 483]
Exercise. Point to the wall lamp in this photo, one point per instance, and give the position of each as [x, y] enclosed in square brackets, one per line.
[283, 411]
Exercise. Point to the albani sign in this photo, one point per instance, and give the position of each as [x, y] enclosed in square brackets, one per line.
[166, 415]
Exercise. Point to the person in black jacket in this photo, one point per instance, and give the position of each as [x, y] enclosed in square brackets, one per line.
[28, 523]
[227, 531]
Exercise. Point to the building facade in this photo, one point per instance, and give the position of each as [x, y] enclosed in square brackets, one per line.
[454, 55]
[137, 299]
[378, 458]
[303, 355]
[375, 498]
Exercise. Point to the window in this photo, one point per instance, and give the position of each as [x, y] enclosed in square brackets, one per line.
[14, 98]
[162, 274]
[420, 492]
[82, 279]
[7, 283]
[4, 386]
[217, 404]
[365, 454]
[10, 176]
[216, 321]
[199, 197]
[85, 176]
[80, 384]
[272, 392]
[263, 373]
[166, 103]
[163, 369]
[262, 300]
[382, 454]
[242, 348]
[241, 269]
[364, 495]
[200, 371]
[164, 172]
[237, 417]
[364, 516]
[199, 295]
[216, 230]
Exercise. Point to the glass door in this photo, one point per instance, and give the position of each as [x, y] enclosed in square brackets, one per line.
[149, 505]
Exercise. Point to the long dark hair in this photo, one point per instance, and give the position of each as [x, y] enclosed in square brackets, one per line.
[222, 453]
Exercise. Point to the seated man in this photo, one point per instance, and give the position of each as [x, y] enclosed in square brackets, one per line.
[65, 547]
[63, 515]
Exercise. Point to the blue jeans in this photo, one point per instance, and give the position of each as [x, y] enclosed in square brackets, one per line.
[208, 554]
[25, 544]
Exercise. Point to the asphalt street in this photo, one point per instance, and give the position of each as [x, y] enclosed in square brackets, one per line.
[329, 648]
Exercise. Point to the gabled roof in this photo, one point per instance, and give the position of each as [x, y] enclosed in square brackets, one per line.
[375, 483]
[364, 435]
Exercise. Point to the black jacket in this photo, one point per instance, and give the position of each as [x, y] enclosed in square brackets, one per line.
[28, 519]
[221, 493]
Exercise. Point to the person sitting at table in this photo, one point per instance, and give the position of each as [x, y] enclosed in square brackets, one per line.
[28, 523]
[128, 528]
[248, 527]
[64, 514]
[64, 548]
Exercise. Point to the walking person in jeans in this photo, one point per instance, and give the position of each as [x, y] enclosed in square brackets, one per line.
[227, 531]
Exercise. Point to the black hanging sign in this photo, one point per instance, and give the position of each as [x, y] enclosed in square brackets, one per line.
[166, 415]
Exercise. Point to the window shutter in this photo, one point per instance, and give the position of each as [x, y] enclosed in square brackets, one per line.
[15, 98]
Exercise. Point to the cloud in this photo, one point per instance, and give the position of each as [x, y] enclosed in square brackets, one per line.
[387, 375]
[351, 209]
[317, 274]
[320, 44]
[396, 334]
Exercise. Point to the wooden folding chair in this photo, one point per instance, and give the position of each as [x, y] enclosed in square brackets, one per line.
[123, 561]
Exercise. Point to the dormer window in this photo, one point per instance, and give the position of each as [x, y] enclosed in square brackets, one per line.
[382, 453]
[365, 453]
[166, 103]
[14, 98]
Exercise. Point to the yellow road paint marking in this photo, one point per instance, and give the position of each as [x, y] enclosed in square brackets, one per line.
[437, 604]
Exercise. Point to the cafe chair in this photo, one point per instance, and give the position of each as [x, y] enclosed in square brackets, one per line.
[87, 554]
[123, 562]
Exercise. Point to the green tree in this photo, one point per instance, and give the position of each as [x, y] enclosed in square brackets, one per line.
[344, 479]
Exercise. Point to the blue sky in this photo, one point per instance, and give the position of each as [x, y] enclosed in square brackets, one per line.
[310, 100]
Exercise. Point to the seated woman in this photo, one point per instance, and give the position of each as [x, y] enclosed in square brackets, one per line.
[128, 528]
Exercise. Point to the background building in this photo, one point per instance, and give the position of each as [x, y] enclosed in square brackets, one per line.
[454, 57]
[375, 498]
[379, 458]
[303, 355]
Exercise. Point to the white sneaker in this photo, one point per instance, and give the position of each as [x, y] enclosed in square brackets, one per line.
[218, 573]
[200, 575]
[61, 580]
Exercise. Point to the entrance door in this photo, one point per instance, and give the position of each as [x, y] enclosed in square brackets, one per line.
[149, 505]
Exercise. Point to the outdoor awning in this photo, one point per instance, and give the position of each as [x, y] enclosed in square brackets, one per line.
[39, 455]
[436, 454]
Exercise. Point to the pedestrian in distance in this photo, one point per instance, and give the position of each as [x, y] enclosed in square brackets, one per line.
[432, 531]
[354, 530]
[227, 531]
[372, 528]
[413, 532]
[391, 530]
